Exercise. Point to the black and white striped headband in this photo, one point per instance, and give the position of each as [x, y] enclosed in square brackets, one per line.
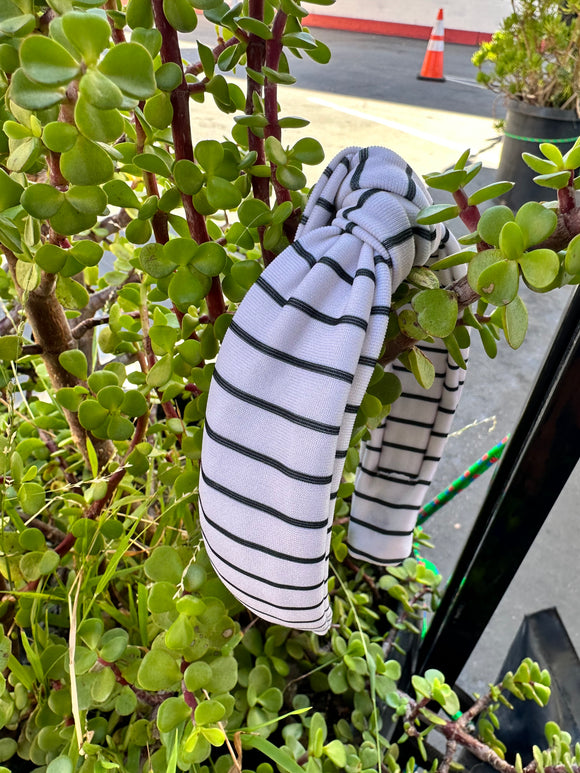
[289, 378]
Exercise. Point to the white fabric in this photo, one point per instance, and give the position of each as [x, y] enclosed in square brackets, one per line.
[289, 378]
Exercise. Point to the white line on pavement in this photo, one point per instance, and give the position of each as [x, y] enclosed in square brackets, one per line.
[391, 124]
[465, 82]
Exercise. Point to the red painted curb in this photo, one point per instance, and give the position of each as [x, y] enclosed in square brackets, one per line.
[393, 29]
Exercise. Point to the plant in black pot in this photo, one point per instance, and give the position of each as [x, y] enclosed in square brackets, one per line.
[533, 61]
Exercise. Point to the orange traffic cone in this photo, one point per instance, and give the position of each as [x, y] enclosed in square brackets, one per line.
[432, 69]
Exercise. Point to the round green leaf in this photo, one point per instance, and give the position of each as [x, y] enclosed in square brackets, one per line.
[16, 131]
[27, 275]
[190, 350]
[88, 199]
[138, 231]
[540, 267]
[515, 322]
[154, 261]
[188, 176]
[100, 91]
[75, 362]
[149, 39]
[92, 415]
[498, 283]
[245, 272]
[102, 378]
[97, 124]
[48, 562]
[111, 397]
[30, 562]
[180, 14]
[134, 404]
[492, 221]
[291, 177]
[168, 76]
[126, 701]
[68, 220]
[436, 311]
[387, 389]
[511, 241]
[51, 258]
[158, 110]
[69, 398]
[33, 96]
[88, 33]
[188, 287]
[180, 634]
[119, 428]
[158, 671]
[60, 765]
[152, 162]
[31, 497]
[32, 539]
[209, 712]
[59, 136]
[209, 155]
[87, 252]
[180, 251]
[130, 67]
[41, 200]
[421, 367]
[572, 259]
[86, 163]
[10, 346]
[172, 712]
[113, 644]
[308, 151]
[210, 259]
[120, 194]
[222, 194]
[45, 61]
[537, 222]
[164, 565]
[478, 263]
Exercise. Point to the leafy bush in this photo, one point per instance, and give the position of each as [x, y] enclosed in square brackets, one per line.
[127, 250]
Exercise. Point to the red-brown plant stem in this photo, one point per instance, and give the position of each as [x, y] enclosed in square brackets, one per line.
[256, 58]
[159, 220]
[468, 213]
[117, 34]
[567, 197]
[183, 145]
[273, 53]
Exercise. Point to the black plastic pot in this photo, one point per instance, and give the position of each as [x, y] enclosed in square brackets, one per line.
[527, 126]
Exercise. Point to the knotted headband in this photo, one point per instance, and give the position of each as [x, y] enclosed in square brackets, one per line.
[289, 378]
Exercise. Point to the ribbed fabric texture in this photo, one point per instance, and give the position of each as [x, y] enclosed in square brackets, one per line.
[289, 378]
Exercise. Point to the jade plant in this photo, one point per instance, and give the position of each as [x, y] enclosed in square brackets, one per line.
[127, 246]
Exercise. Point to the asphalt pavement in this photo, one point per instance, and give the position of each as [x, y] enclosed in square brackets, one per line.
[369, 95]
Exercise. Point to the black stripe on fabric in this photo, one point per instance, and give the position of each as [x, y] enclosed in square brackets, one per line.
[255, 505]
[246, 543]
[424, 398]
[379, 259]
[362, 199]
[384, 310]
[411, 422]
[341, 454]
[328, 171]
[226, 581]
[432, 458]
[409, 475]
[299, 250]
[257, 577]
[451, 389]
[295, 418]
[433, 349]
[411, 187]
[392, 479]
[384, 503]
[449, 411]
[355, 180]
[379, 530]
[356, 553]
[325, 204]
[370, 361]
[349, 227]
[365, 272]
[337, 268]
[445, 237]
[304, 219]
[314, 367]
[403, 447]
[439, 434]
[345, 162]
[350, 408]
[310, 311]
[303, 477]
[403, 369]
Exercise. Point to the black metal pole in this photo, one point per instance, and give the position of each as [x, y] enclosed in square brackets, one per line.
[541, 455]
